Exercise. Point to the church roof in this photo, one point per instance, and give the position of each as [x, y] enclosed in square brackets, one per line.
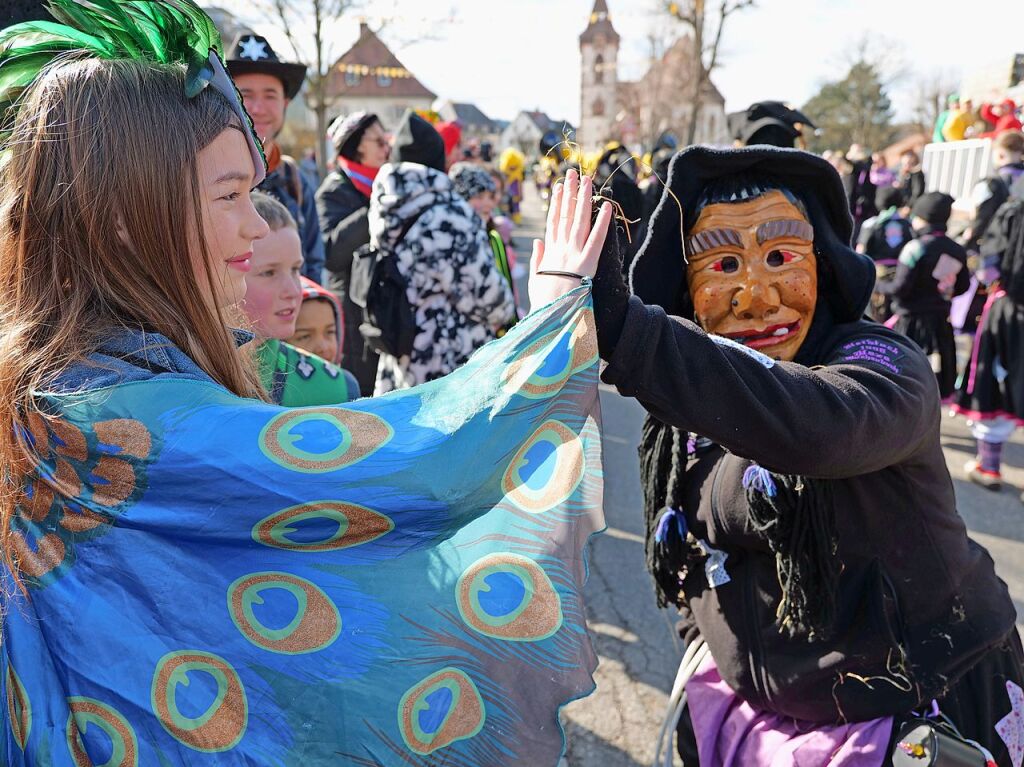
[365, 68]
[600, 25]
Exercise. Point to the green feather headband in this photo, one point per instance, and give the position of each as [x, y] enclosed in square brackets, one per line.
[161, 31]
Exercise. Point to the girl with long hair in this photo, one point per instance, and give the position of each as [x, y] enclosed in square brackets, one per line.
[195, 576]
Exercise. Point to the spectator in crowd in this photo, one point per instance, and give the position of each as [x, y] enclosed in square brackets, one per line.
[272, 299]
[860, 191]
[993, 190]
[991, 391]
[959, 120]
[770, 122]
[479, 188]
[268, 85]
[911, 180]
[343, 202]
[476, 187]
[883, 238]
[1002, 116]
[881, 174]
[459, 299]
[319, 328]
[512, 164]
[952, 105]
[932, 269]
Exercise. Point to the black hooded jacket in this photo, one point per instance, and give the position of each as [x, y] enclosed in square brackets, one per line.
[918, 602]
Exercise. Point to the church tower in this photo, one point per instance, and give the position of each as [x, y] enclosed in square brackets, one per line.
[599, 49]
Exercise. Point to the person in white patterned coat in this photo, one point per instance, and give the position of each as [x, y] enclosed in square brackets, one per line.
[459, 297]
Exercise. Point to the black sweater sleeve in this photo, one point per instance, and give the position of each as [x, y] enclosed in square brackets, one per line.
[868, 407]
[345, 239]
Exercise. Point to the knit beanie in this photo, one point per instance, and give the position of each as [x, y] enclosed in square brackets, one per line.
[934, 207]
[347, 131]
[470, 180]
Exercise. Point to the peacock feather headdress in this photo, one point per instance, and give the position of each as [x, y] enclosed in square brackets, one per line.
[161, 31]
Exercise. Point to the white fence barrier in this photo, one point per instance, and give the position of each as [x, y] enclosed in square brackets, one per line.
[956, 166]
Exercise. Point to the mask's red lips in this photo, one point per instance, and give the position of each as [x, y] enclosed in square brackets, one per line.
[770, 336]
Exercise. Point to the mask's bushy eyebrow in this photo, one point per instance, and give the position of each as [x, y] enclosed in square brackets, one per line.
[713, 238]
[784, 227]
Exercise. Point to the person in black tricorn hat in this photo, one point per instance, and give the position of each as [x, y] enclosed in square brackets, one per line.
[798, 507]
[268, 85]
[769, 122]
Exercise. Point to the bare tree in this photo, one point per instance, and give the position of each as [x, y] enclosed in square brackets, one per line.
[706, 28]
[930, 93]
[644, 103]
[405, 31]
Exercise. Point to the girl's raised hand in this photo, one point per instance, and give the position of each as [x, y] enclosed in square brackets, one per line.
[570, 244]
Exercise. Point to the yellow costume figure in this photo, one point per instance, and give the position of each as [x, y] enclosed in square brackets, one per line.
[512, 165]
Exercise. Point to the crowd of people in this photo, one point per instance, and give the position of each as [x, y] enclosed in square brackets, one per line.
[930, 285]
[961, 119]
[432, 210]
[222, 543]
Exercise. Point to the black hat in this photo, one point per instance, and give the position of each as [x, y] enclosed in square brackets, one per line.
[658, 273]
[252, 53]
[933, 207]
[417, 141]
[347, 131]
[767, 122]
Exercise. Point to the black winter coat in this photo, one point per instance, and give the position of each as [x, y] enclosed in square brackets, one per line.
[343, 211]
[343, 218]
[914, 288]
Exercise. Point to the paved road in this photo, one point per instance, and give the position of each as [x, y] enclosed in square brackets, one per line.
[618, 724]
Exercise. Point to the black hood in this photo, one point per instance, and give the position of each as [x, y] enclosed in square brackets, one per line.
[845, 277]
[417, 141]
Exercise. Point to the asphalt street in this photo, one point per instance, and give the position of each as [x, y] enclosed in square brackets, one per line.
[617, 725]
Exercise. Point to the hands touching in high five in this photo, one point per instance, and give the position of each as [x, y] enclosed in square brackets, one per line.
[570, 245]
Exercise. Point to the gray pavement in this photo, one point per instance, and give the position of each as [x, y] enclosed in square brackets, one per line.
[617, 726]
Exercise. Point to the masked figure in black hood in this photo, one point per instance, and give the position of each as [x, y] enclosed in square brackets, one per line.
[799, 509]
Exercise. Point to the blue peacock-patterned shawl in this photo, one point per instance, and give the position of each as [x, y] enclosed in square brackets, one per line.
[216, 581]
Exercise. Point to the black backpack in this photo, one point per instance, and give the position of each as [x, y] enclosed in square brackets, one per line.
[379, 288]
[886, 240]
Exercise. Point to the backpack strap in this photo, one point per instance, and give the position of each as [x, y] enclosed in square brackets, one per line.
[500, 255]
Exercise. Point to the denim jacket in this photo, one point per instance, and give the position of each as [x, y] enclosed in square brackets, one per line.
[129, 355]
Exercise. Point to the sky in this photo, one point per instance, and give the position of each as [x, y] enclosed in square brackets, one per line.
[509, 55]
